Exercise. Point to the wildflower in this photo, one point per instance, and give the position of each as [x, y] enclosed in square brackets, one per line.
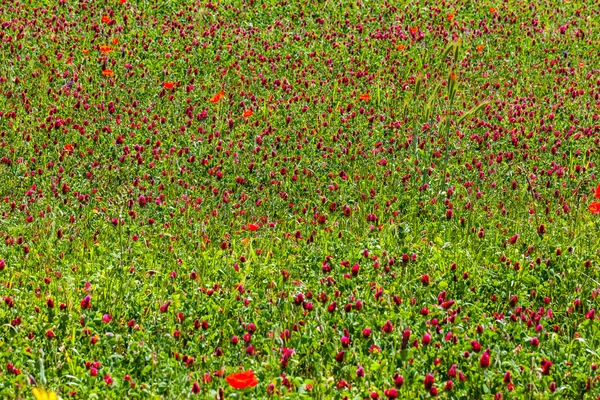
[391, 393]
[594, 207]
[590, 315]
[165, 307]
[85, 51]
[252, 227]
[360, 372]
[493, 10]
[69, 148]
[387, 327]
[105, 49]
[217, 97]
[428, 382]
[115, 41]
[247, 113]
[195, 388]
[452, 371]
[105, 19]
[50, 334]
[484, 361]
[342, 384]
[168, 85]
[546, 365]
[426, 339]
[42, 394]
[479, 48]
[365, 97]
[242, 380]
[400, 47]
[108, 72]
[450, 17]
[399, 381]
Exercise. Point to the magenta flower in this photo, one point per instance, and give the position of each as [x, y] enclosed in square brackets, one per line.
[484, 361]
[428, 382]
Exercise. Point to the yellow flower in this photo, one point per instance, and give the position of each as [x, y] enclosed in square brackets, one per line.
[42, 394]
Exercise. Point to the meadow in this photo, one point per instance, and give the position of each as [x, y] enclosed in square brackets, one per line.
[299, 199]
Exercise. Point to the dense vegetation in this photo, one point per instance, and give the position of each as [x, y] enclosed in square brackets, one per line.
[353, 199]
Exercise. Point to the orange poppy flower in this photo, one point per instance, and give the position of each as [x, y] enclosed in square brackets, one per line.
[108, 72]
[594, 207]
[122, 1]
[69, 148]
[450, 17]
[479, 48]
[105, 19]
[252, 227]
[105, 49]
[400, 47]
[242, 380]
[168, 85]
[247, 113]
[217, 97]
[365, 97]
[493, 10]
[414, 30]
[115, 41]
[597, 193]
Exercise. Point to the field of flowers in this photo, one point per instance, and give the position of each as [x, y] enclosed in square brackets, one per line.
[299, 199]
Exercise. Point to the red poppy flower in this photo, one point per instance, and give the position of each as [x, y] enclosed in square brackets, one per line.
[115, 41]
[594, 207]
[105, 19]
[85, 51]
[69, 148]
[450, 17]
[597, 193]
[105, 49]
[217, 97]
[252, 227]
[247, 113]
[108, 72]
[242, 380]
[365, 97]
[168, 85]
